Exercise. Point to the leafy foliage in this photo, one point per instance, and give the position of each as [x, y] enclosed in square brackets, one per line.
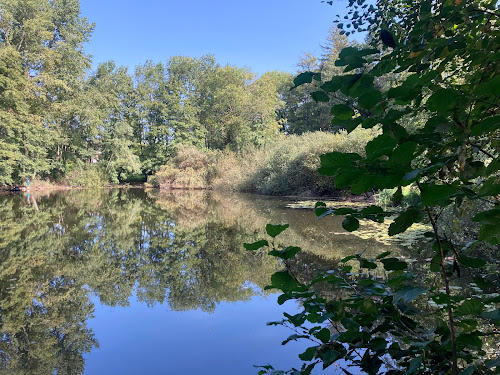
[443, 59]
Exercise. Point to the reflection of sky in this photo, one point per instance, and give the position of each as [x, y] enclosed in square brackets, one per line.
[155, 340]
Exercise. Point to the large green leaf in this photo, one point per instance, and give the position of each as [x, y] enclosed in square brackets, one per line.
[493, 315]
[404, 221]
[284, 281]
[350, 224]
[274, 230]
[471, 262]
[320, 96]
[393, 264]
[303, 78]
[469, 307]
[255, 245]
[286, 253]
[443, 100]
[342, 112]
[408, 293]
[436, 194]
[382, 145]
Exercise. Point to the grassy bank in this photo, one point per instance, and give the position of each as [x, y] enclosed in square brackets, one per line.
[287, 166]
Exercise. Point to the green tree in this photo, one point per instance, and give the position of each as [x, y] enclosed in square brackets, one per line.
[43, 40]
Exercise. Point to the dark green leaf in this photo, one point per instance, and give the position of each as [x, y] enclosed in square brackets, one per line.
[443, 99]
[323, 335]
[320, 96]
[342, 112]
[309, 354]
[408, 293]
[286, 253]
[350, 224]
[404, 221]
[302, 78]
[471, 262]
[387, 38]
[435, 194]
[274, 230]
[255, 245]
[469, 307]
[492, 315]
[282, 280]
[382, 145]
[393, 264]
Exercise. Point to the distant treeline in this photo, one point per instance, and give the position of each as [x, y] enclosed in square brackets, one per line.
[63, 122]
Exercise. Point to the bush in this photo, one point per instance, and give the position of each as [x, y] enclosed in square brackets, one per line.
[190, 168]
[284, 167]
[86, 175]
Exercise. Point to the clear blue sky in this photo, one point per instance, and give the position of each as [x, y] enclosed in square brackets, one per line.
[261, 35]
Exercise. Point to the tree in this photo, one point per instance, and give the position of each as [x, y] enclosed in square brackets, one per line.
[302, 112]
[441, 52]
[42, 40]
[109, 117]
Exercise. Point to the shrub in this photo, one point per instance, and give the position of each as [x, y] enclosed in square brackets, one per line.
[86, 175]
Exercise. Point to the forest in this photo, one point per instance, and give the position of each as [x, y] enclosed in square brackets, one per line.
[62, 122]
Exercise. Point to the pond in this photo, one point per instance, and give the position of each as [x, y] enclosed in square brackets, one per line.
[127, 281]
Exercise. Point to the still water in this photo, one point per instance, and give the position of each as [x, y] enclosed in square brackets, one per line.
[133, 282]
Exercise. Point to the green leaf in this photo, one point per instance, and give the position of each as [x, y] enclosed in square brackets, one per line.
[294, 337]
[490, 87]
[369, 100]
[387, 38]
[284, 281]
[492, 315]
[404, 153]
[393, 264]
[471, 262]
[469, 340]
[302, 78]
[488, 125]
[443, 100]
[371, 210]
[274, 230]
[382, 145]
[404, 221]
[383, 255]
[415, 364]
[436, 194]
[320, 96]
[338, 159]
[492, 363]
[363, 263]
[255, 245]
[323, 335]
[469, 307]
[342, 112]
[369, 307]
[345, 211]
[350, 224]
[286, 253]
[309, 354]
[408, 293]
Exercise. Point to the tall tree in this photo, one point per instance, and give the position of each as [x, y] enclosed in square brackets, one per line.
[44, 40]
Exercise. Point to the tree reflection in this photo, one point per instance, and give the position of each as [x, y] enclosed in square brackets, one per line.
[111, 244]
[184, 250]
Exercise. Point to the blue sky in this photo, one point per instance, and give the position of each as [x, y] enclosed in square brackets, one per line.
[261, 35]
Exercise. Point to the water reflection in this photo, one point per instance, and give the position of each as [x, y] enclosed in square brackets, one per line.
[183, 250]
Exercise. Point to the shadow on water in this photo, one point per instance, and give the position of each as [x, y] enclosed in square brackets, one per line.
[183, 250]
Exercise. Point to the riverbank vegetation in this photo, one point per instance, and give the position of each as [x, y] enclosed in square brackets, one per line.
[61, 121]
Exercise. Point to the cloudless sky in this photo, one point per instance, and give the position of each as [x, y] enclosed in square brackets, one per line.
[262, 35]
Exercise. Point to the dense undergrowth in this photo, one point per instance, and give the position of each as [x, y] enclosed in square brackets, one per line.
[286, 166]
